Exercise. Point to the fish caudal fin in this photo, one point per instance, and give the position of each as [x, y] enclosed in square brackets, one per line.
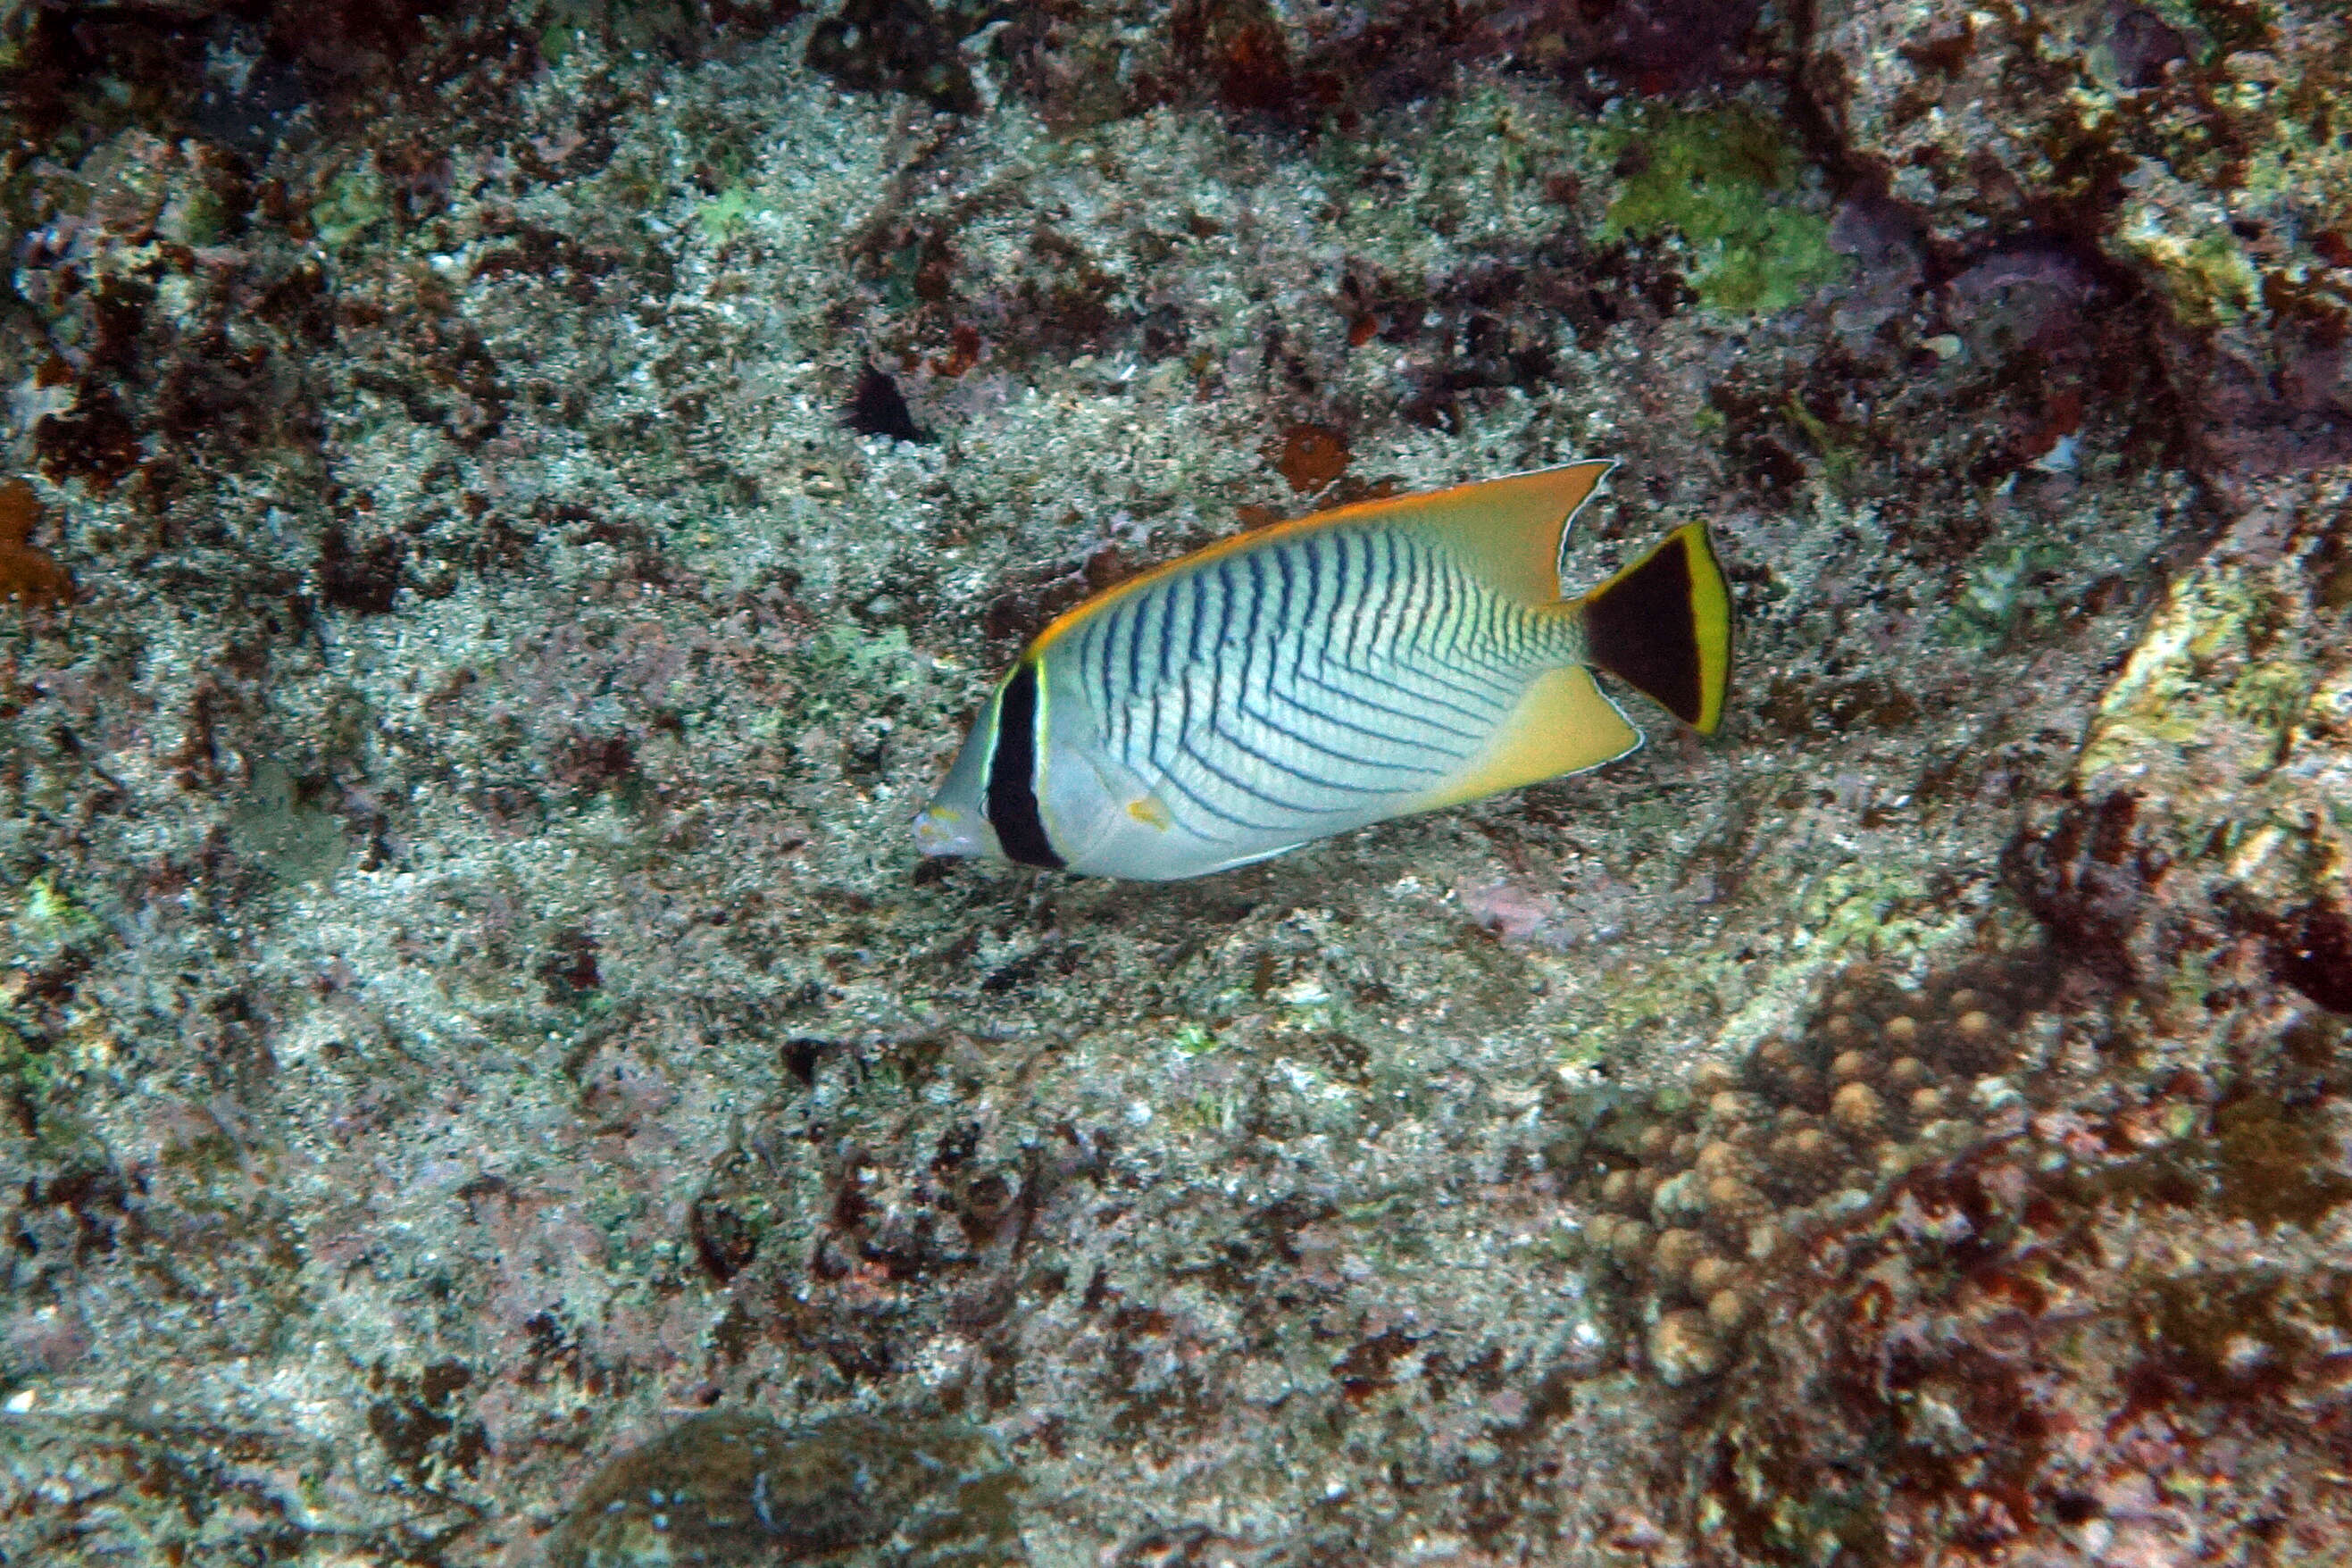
[1663, 626]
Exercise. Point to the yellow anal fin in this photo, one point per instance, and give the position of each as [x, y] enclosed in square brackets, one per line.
[1562, 725]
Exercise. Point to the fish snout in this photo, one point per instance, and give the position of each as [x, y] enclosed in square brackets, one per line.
[942, 830]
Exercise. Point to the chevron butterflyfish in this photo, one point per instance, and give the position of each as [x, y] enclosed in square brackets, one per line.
[1325, 674]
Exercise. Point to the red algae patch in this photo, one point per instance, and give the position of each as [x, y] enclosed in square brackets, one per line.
[28, 575]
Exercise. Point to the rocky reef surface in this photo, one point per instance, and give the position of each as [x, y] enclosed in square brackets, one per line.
[507, 509]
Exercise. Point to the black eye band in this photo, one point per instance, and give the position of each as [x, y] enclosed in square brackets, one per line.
[1012, 775]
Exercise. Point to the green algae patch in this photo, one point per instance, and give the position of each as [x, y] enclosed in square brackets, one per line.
[26, 1078]
[2006, 592]
[46, 922]
[47, 915]
[2166, 695]
[884, 658]
[2208, 279]
[727, 214]
[296, 841]
[1725, 180]
[1840, 459]
[351, 202]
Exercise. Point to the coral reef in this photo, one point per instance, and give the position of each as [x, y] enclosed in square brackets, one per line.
[507, 512]
[2102, 1334]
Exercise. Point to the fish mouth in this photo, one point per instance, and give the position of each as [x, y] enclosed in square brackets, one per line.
[941, 831]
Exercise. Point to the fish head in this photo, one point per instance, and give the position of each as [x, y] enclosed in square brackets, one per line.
[1086, 805]
[955, 824]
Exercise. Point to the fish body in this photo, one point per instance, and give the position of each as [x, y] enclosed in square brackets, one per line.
[1326, 674]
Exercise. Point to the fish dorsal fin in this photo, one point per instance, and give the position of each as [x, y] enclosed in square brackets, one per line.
[1512, 527]
[1562, 725]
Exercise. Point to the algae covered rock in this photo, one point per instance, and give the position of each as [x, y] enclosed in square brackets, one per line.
[1728, 182]
[2209, 806]
[1982, 120]
[732, 1487]
[2199, 147]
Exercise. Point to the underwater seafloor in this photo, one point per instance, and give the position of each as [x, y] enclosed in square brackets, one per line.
[508, 510]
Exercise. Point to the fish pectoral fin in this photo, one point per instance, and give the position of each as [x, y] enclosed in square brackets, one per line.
[1252, 858]
[1563, 724]
[1148, 810]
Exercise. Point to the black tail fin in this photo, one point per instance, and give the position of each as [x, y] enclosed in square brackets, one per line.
[1663, 626]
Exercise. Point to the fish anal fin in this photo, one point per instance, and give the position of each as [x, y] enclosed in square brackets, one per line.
[1563, 724]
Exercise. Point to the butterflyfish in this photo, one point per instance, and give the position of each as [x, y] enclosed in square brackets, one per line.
[1325, 674]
